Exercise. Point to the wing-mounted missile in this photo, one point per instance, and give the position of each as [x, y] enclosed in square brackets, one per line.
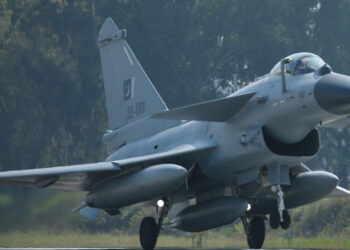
[146, 184]
[218, 110]
[210, 214]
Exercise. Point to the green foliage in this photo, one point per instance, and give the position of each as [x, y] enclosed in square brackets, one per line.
[5, 201]
[328, 218]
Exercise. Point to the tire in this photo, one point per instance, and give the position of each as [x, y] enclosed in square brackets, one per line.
[285, 224]
[148, 233]
[256, 232]
[275, 220]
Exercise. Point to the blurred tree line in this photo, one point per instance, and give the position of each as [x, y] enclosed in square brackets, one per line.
[51, 91]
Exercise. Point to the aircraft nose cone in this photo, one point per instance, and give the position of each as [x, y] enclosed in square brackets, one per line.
[332, 93]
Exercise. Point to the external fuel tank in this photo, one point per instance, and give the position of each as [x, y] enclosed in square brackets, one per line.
[210, 214]
[146, 184]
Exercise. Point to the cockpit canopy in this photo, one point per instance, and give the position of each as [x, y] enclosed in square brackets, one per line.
[299, 63]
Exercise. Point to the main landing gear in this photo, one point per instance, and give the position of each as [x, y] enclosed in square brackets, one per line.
[255, 231]
[280, 217]
[148, 233]
[275, 220]
[149, 229]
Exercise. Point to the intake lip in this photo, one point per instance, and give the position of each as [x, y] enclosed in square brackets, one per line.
[332, 93]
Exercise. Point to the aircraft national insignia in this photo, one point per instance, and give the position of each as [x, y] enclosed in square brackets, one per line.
[128, 89]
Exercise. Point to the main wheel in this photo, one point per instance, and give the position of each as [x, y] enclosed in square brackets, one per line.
[285, 224]
[275, 220]
[256, 232]
[148, 233]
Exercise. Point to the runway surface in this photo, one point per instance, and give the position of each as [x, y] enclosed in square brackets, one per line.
[168, 248]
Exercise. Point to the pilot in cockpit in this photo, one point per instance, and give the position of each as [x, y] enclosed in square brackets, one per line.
[299, 64]
[308, 64]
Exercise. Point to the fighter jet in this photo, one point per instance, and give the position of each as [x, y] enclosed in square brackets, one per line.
[212, 163]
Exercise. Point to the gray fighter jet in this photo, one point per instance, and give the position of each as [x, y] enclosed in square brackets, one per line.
[208, 164]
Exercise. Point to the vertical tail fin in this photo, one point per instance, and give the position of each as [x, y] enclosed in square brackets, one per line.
[129, 92]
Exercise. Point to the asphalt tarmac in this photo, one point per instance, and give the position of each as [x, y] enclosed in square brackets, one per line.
[168, 248]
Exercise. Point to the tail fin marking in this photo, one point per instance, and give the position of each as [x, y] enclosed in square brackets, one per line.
[129, 92]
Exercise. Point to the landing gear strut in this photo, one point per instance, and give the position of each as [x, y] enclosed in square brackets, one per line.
[279, 216]
[255, 231]
[280, 200]
[149, 229]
